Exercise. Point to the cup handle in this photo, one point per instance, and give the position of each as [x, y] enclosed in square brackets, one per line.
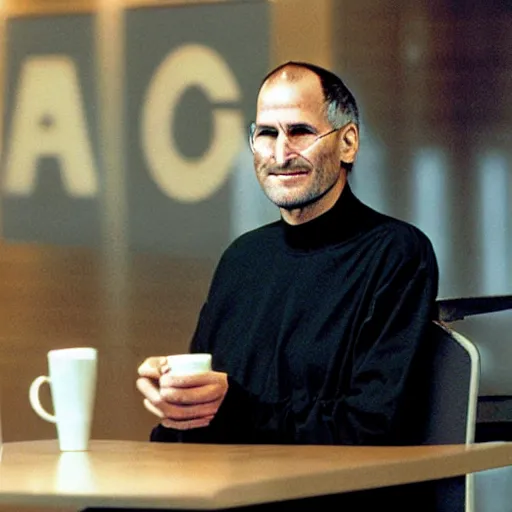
[33, 396]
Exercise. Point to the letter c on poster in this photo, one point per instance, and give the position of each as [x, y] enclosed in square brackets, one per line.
[181, 178]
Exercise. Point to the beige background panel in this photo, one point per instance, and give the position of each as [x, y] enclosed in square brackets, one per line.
[302, 30]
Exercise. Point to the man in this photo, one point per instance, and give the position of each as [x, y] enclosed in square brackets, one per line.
[316, 322]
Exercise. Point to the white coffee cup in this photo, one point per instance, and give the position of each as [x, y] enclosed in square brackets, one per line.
[189, 364]
[72, 379]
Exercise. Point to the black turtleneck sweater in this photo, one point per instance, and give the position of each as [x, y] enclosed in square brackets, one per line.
[320, 328]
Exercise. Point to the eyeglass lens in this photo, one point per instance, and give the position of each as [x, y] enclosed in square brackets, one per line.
[298, 138]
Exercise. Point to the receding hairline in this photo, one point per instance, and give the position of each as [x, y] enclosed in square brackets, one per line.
[291, 72]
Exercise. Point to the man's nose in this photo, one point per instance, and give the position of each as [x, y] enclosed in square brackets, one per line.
[283, 150]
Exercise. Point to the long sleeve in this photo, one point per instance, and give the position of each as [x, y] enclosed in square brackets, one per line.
[387, 383]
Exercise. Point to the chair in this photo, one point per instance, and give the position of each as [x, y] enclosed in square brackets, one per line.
[490, 491]
[453, 398]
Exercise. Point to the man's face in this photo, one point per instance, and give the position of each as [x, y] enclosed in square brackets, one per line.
[306, 180]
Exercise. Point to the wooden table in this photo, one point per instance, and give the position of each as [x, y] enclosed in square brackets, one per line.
[192, 476]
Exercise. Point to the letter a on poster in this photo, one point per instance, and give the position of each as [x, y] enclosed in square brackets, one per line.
[49, 121]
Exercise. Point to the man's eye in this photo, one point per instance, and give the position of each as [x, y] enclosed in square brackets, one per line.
[265, 132]
[299, 131]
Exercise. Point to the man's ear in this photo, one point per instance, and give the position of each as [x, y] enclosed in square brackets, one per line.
[349, 143]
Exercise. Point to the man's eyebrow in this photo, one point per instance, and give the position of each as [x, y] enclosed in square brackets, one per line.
[286, 127]
[306, 126]
[264, 126]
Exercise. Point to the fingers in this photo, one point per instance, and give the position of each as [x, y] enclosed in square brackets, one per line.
[153, 402]
[153, 367]
[157, 405]
[190, 381]
[182, 424]
[152, 409]
[182, 417]
[187, 424]
[190, 396]
[149, 389]
[198, 402]
[189, 412]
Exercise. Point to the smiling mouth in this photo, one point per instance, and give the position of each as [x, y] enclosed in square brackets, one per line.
[298, 172]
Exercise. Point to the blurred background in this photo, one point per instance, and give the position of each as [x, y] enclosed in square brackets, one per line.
[125, 169]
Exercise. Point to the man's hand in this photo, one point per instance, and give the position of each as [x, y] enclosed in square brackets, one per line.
[182, 402]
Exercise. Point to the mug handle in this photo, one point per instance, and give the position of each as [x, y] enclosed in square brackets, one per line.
[33, 396]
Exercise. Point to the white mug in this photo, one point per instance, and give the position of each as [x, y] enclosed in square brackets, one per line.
[189, 364]
[72, 379]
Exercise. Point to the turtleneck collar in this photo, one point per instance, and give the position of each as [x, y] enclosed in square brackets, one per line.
[344, 220]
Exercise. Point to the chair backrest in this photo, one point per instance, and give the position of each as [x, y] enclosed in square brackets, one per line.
[453, 397]
[453, 391]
